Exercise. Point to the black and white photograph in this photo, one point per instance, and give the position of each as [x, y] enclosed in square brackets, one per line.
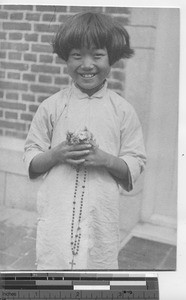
[89, 101]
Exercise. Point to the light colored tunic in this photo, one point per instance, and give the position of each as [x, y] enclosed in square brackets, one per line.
[117, 131]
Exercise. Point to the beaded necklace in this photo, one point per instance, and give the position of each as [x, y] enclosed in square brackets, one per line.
[75, 238]
[76, 233]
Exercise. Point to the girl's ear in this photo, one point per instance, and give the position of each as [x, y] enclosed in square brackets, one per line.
[108, 75]
[67, 69]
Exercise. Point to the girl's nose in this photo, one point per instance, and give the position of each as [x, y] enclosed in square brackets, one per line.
[87, 63]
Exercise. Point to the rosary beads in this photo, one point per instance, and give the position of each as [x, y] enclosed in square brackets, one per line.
[75, 239]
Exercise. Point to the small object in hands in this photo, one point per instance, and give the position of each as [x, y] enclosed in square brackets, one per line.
[80, 137]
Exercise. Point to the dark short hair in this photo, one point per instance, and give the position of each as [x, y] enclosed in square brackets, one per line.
[87, 29]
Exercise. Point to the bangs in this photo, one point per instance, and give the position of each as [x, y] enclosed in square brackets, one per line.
[86, 36]
[92, 30]
[83, 30]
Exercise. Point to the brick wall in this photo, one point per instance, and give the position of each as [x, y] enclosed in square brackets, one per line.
[29, 72]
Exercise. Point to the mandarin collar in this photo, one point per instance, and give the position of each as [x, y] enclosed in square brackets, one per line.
[81, 95]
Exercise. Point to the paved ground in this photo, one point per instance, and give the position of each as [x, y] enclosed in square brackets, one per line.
[142, 254]
[17, 239]
[17, 246]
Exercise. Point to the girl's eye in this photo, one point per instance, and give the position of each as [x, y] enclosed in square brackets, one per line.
[76, 55]
[98, 55]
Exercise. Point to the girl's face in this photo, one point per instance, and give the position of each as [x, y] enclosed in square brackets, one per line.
[88, 68]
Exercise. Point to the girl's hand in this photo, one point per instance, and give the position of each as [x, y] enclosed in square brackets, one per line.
[96, 158]
[116, 166]
[72, 154]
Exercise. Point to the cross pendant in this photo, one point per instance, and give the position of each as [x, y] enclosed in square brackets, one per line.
[72, 263]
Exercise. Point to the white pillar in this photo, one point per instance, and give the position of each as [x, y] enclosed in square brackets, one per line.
[160, 184]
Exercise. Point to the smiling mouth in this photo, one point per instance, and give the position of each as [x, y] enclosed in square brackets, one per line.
[87, 75]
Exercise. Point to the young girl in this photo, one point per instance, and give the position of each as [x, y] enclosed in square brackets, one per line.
[86, 140]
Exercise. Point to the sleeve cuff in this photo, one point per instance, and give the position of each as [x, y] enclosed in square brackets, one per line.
[134, 171]
[134, 168]
[27, 158]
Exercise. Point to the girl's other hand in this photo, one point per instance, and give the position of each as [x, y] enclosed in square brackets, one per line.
[96, 158]
[72, 154]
